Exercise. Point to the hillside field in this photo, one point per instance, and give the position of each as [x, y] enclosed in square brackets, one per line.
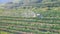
[49, 24]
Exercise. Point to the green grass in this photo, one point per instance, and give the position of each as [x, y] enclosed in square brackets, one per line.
[3, 32]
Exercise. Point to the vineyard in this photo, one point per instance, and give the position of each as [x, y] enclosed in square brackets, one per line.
[49, 24]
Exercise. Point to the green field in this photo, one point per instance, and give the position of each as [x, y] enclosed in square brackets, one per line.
[49, 24]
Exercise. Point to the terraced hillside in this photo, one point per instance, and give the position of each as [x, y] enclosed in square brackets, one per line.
[30, 26]
[11, 21]
[49, 24]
